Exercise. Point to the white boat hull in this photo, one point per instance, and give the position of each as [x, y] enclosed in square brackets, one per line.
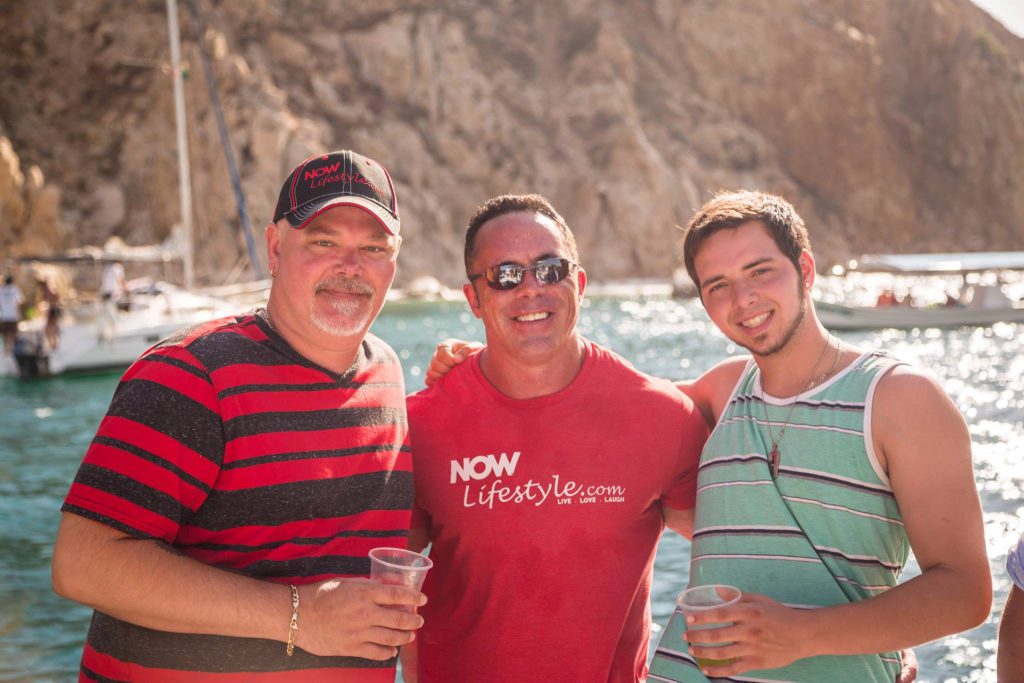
[152, 317]
[838, 317]
[81, 349]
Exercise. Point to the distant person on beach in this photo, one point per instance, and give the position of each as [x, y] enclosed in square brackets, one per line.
[827, 462]
[221, 520]
[546, 470]
[1010, 652]
[11, 302]
[112, 289]
[49, 296]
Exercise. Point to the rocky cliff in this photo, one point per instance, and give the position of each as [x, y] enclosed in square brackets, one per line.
[893, 125]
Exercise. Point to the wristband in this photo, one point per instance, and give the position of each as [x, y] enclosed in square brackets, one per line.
[293, 625]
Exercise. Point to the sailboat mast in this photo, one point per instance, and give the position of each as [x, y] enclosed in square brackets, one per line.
[184, 174]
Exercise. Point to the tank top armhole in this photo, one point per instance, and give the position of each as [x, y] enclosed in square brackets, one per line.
[869, 436]
[732, 396]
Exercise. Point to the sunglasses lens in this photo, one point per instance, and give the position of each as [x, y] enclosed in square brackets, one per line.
[548, 271]
[505, 276]
[551, 270]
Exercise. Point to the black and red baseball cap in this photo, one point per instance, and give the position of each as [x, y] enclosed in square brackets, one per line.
[342, 178]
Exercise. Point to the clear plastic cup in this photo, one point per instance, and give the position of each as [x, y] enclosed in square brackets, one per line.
[702, 599]
[399, 567]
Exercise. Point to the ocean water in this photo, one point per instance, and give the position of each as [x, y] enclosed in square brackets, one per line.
[45, 427]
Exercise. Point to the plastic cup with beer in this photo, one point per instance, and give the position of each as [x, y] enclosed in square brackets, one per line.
[702, 599]
[399, 567]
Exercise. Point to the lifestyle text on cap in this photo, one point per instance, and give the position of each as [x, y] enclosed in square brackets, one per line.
[342, 178]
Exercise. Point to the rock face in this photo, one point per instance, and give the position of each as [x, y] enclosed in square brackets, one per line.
[891, 125]
[28, 207]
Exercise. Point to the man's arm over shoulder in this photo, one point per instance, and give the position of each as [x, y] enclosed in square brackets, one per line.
[447, 355]
[711, 391]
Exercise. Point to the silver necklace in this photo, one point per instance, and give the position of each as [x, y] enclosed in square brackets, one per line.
[774, 457]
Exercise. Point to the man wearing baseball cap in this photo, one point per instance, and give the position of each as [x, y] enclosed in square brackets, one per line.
[220, 522]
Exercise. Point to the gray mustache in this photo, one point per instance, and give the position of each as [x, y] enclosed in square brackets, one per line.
[345, 284]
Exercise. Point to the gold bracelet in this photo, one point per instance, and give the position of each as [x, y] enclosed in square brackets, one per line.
[293, 625]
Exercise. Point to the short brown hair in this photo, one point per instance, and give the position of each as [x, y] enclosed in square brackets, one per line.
[513, 203]
[733, 209]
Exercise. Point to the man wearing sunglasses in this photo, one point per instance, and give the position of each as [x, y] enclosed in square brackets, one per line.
[546, 468]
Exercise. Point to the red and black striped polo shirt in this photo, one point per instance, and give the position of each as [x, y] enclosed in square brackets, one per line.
[228, 444]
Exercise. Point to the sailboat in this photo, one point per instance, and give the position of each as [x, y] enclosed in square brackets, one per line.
[153, 310]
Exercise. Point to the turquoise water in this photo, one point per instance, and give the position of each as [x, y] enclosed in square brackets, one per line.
[46, 426]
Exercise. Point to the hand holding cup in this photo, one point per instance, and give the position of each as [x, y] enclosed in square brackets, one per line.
[700, 599]
[399, 567]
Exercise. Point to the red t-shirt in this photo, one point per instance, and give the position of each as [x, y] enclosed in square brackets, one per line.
[544, 515]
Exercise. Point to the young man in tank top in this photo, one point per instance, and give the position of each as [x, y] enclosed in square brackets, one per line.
[825, 464]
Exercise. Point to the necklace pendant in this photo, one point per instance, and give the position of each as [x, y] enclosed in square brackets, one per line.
[774, 459]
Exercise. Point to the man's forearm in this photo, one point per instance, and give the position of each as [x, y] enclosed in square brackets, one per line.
[935, 604]
[147, 583]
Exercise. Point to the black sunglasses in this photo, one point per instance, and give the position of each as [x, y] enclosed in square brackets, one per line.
[505, 276]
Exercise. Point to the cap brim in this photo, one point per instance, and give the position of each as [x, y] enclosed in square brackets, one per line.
[300, 218]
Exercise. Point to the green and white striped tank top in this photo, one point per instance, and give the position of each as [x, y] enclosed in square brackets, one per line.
[828, 531]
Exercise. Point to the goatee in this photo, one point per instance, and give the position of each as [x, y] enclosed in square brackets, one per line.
[346, 317]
